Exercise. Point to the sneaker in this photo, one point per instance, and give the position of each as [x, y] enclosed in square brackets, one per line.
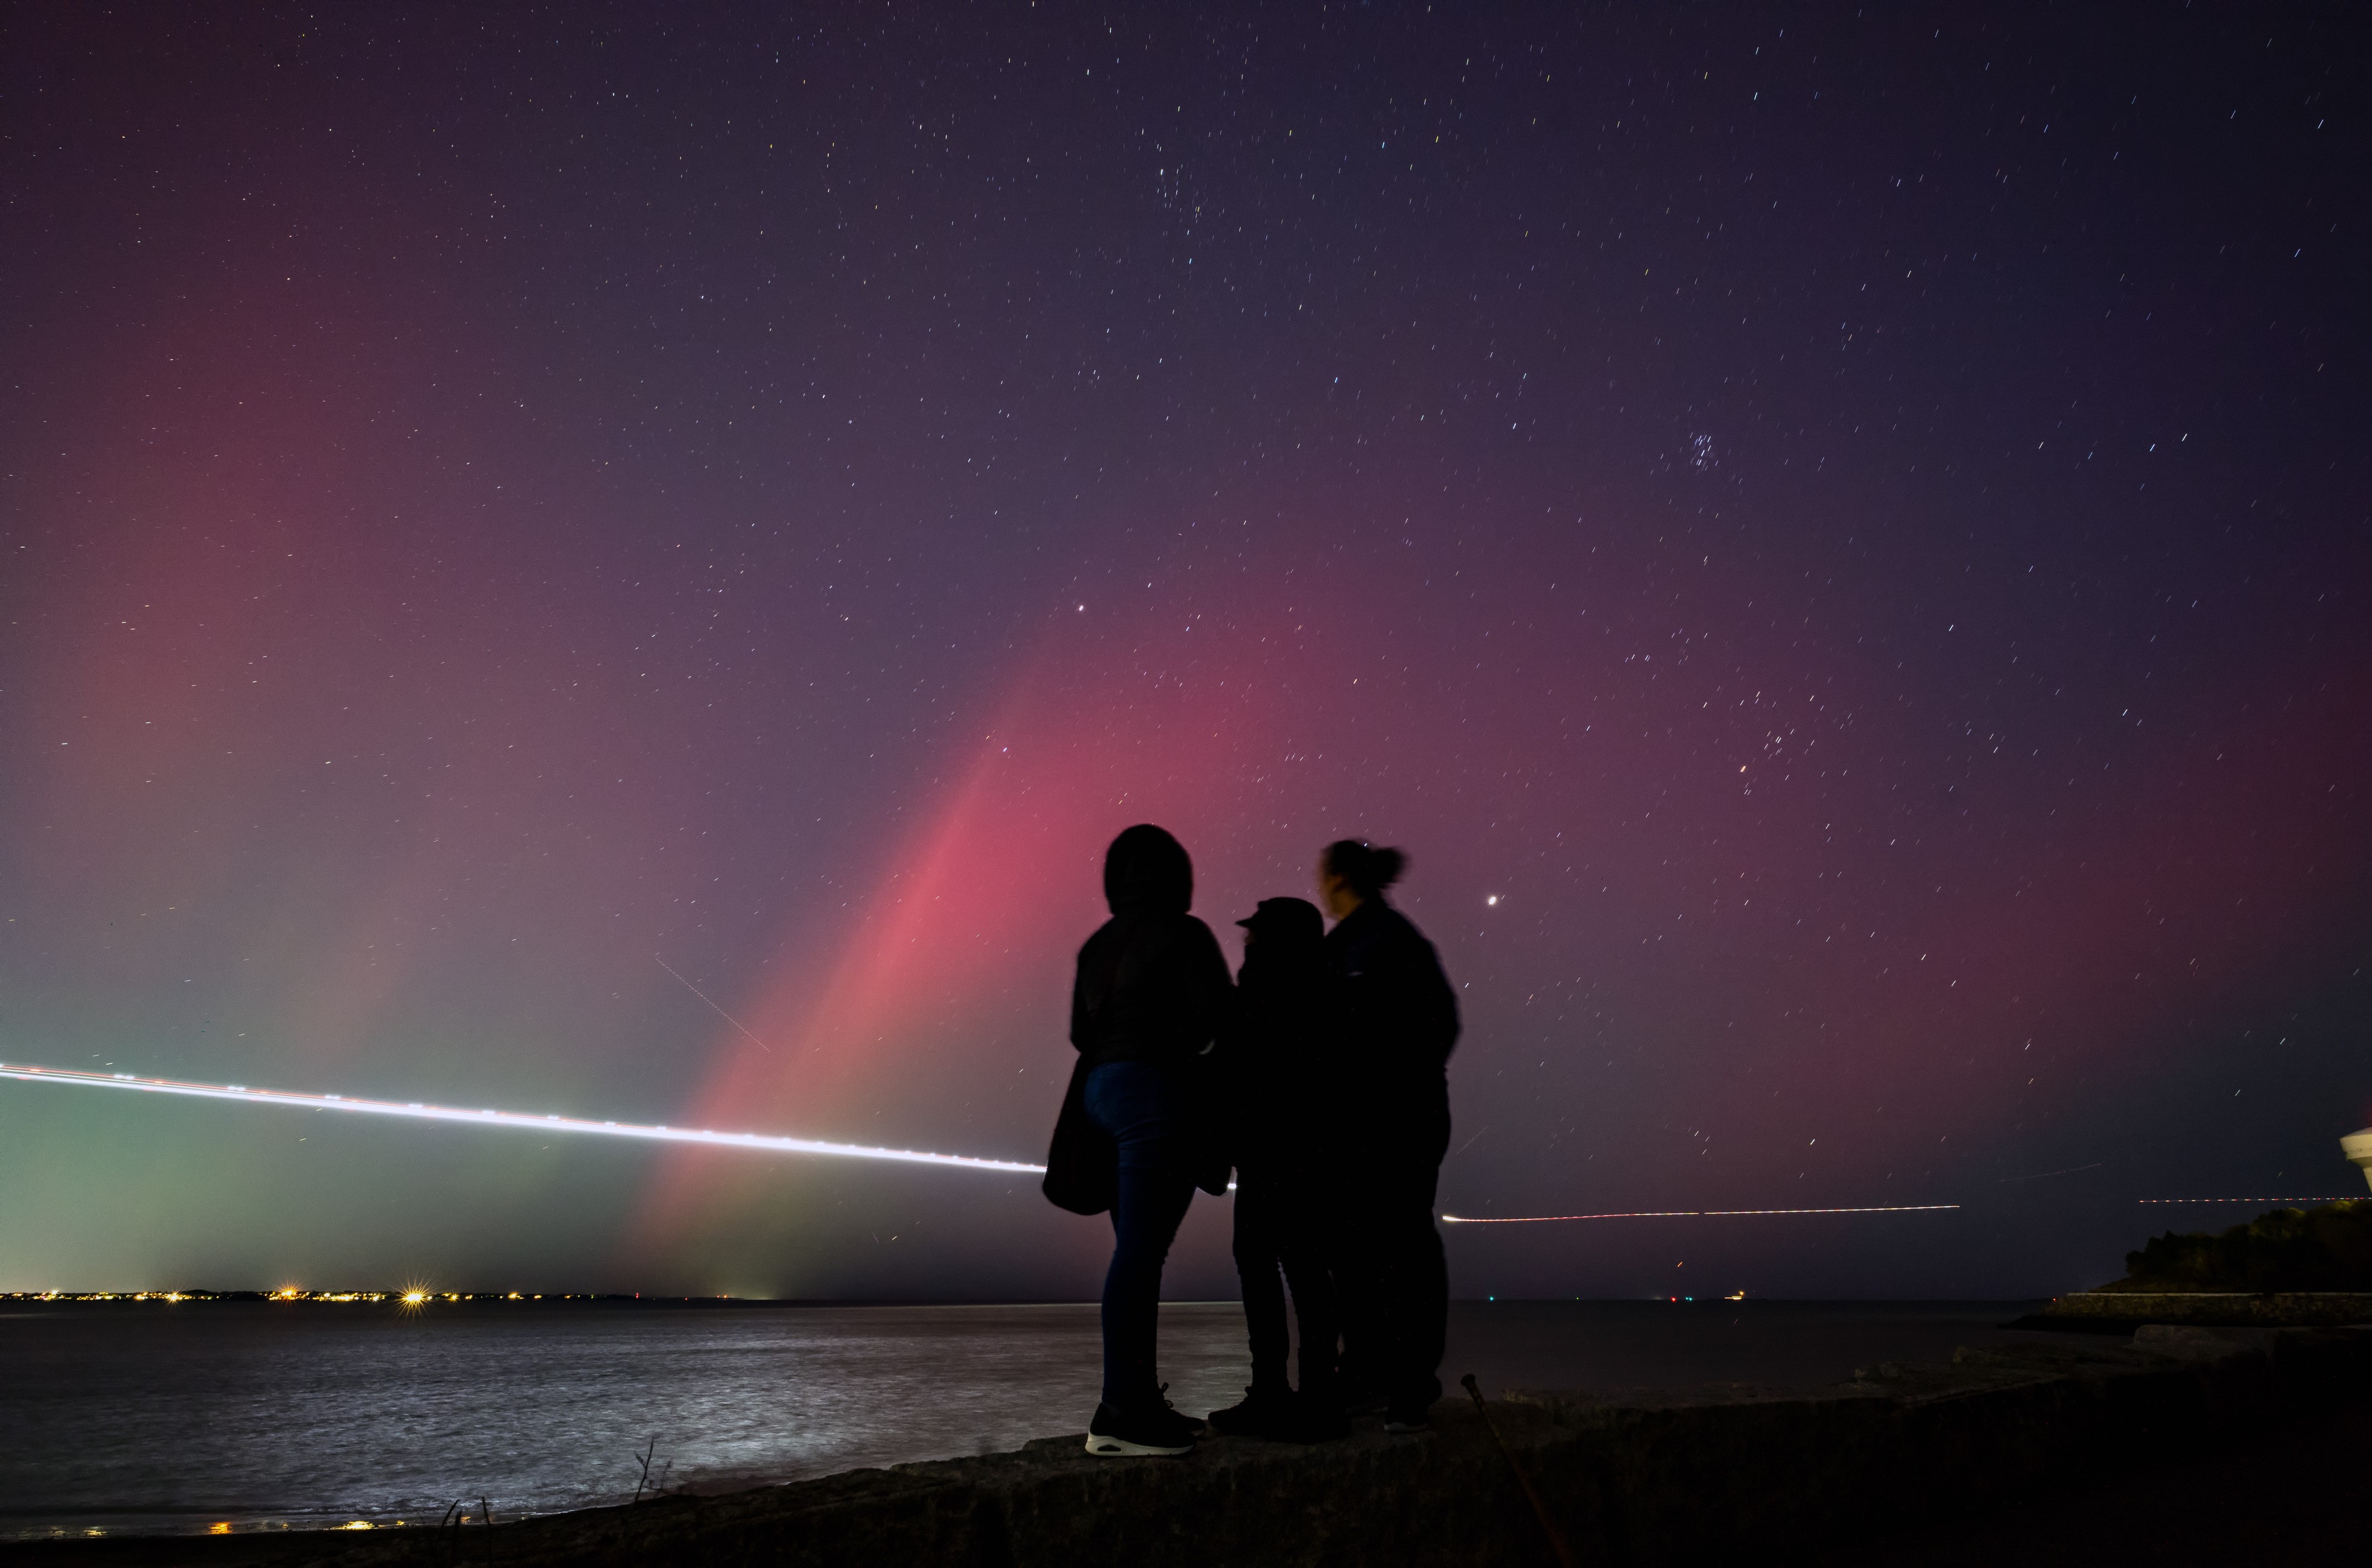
[1150, 1430]
[1264, 1412]
[1406, 1419]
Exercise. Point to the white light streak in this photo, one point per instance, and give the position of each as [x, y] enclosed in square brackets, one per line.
[1695, 1214]
[765, 1143]
[2248, 1200]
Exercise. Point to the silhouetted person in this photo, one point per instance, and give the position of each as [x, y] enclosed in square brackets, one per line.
[1282, 1111]
[1397, 1021]
[1151, 993]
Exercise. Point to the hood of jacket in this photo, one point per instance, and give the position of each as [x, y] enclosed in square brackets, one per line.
[1147, 871]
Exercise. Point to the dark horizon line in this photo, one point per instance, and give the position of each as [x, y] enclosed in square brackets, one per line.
[379, 1297]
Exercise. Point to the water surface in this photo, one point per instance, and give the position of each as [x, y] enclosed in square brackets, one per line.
[158, 1418]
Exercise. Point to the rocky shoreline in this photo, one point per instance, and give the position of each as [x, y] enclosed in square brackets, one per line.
[1642, 1477]
[2125, 1309]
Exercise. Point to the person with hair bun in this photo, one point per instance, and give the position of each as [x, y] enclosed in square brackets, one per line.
[1396, 1022]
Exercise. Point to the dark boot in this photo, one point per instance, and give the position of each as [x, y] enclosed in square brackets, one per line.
[1268, 1410]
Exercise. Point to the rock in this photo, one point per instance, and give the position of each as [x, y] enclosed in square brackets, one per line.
[1641, 1477]
[2186, 1342]
[2127, 1306]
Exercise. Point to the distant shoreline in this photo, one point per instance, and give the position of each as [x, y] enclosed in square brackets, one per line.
[581, 1298]
[424, 1299]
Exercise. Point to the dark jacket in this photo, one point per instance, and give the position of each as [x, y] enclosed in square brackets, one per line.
[1282, 1101]
[1152, 987]
[1397, 1016]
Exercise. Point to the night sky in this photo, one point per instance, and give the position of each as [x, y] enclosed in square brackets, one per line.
[1838, 543]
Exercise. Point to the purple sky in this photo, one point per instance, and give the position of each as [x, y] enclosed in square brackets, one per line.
[1838, 545]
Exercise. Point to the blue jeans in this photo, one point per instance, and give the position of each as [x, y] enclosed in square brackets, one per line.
[1143, 1111]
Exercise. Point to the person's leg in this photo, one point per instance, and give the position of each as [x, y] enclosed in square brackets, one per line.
[1354, 1214]
[1422, 1330]
[1266, 1410]
[1306, 1255]
[1417, 1289]
[1255, 1269]
[1135, 1104]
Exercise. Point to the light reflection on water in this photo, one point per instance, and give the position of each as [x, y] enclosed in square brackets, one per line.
[177, 1419]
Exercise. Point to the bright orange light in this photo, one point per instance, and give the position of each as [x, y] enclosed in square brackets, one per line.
[414, 1297]
[358, 1525]
[222, 1529]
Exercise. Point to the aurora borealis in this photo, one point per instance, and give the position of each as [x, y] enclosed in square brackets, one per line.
[1837, 543]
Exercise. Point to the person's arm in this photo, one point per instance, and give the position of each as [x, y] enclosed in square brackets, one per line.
[1079, 1022]
[1404, 1002]
[1209, 992]
[1437, 1006]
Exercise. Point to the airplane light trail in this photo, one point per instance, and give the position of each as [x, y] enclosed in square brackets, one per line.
[1693, 1214]
[766, 1142]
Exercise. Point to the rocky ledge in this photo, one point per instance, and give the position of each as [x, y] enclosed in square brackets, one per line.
[2127, 1306]
[1640, 1478]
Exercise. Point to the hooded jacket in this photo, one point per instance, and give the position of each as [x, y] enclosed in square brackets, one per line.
[1152, 983]
[1152, 987]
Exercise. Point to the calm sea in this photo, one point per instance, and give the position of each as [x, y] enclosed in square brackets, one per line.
[152, 1418]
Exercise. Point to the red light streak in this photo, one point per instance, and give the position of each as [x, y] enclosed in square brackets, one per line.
[1695, 1214]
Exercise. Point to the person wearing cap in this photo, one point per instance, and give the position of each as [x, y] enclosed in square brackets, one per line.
[1282, 1143]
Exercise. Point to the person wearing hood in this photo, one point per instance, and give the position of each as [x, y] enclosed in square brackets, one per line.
[1151, 993]
[1397, 1020]
[1282, 1128]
